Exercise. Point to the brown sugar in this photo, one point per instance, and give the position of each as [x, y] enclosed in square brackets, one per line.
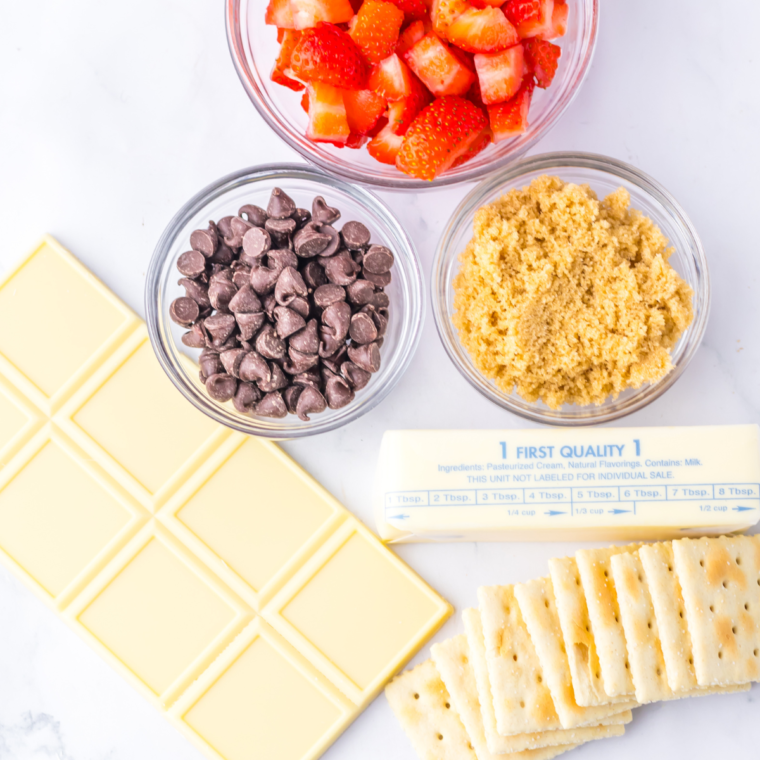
[567, 299]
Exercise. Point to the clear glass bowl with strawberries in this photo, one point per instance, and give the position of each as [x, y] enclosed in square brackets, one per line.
[405, 93]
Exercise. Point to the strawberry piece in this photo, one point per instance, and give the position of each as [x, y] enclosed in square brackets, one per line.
[364, 108]
[279, 14]
[356, 141]
[376, 29]
[541, 57]
[474, 95]
[413, 9]
[440, 70]
[500, 74]
[482, 31]
[309, 13]
[531, 18]
[327, 54]
[384, 147]
[412, 34]
[559, 22]
[290, 39]
[511, 118]
[327, 114]
[391, 78]
[444, 12]
[305, 101]
[401, 113]
[487, 3]
[480, 143]
[441, 134]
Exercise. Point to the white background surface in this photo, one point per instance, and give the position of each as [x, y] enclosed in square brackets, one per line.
[112, 114]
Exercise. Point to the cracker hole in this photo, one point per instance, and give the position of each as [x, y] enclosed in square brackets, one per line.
[712, 609]
[758, 581]
[670, 568]
[640, 579]
[539, 679]
[416, 696]
[470, 745]
[691, 660]
[649, 625]
[738, 560]
[616, 619]
[522, 704]
[733, 630]
[725, 584]
[440, 737]
[546, 603]
[746, 605]
[465, 660]
[756, 652]
[627, 665]
[606, 575]
[514, 657]
[720, 654]
[597, 675]
[659, 672]
[448, 706]
[587, 629]
[577, 581]
[701, 563]
[680, 613]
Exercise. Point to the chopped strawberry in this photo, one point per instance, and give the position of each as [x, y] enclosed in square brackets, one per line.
[480, 143]
[327, 114]
[413, 33]
[440, 135]
[531, 18]
[279, 14]
[327, 54]
[487, 3]
[413, 9]
[356, 141]
[391, 78]
[290, 39]
[376, 29]
[364, 108]
[384, 147]
[401, 113]
[511, 118]
[474, 95]
[482, 31]
[440, 70]
[500, 74]
[305, 101]
[541, 57]
[308, 13]
[559, 22]
[444, 12]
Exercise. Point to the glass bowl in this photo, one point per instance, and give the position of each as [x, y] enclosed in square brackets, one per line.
[253, 47]
[302, 183]
[604, 175]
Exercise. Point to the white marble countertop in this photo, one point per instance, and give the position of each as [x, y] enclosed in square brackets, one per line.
[113, 114]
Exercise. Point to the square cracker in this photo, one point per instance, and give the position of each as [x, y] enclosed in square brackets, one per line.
[720, 581]
[604, 613]
[539, 610]
[575, 623]
[649, 667]
[454, 661]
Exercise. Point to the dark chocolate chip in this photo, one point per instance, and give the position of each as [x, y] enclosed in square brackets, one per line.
[337, 391]
[245, 301]
[363, 328]
[334, 244]
[378, 259]
[340, 270]
[329, 345]
[221, 387]
[328, 294]
[220, 293]
[309, 241]
[281, 206]
[196, 291]
[280, 227]
[334, 361]
[204, 241]
[254, 214]
[355, 375]
[239, 226]
[241, 277]
[299, 362]
[245, 398]
[270, 304]
[314, 275]
[379, 280]
[191, 264]
[300, 305]
[337, 317]
[302, 216]
[254, 369]
[250, 324]
[231, 359]
[223, 255]
[288, 321]
[366, 356]
[272, 405]
[379, 317]
[310, 377]
[289, 285]
[210, 363]
[277, 379]
[184, 311]
[220, 273]
[355, 235]
[219, 326]
[224, 226]
[380, 300]
[269, 344]
[322, 213]
[290, 395]
[311, 401]
[280, 258]
[360, 292]
[195, 338]
[263, 279]
[307, 339]
[256, 242]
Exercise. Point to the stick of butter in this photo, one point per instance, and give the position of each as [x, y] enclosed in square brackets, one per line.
[567, 485]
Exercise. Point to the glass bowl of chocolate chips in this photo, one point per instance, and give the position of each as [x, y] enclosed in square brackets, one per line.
[283, 302]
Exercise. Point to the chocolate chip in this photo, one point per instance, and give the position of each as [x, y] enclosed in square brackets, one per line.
[254, 214]
[241, 277]
[254, 369]
[289, 285]
[299, 362]
[314, 275]
[310, 377]
[184, 311]
[220, 273]
[337, 317]
[239, 226]
[310, 401]
[334, 244]
[334, 361]
[337, 391]
[300, 305]
[378, 259]
[220, 293]
[380, 300]
[263, 279]
[355, 235]
[269, 344]
[355, 375]
[363, 329]
[270, 304]
[281, 227]
[191, 264]
[196, 291]
[379, 317]
[277, 380]
[221, 387]
[288, 321]
[231, 360]
[290, 395]
[281, 258]
[219, 326]
[301, 216]
[307, 339]
[322, 213]
[223, 255]
[272, 405]
[379, 280]
[329, 345]
[309, 242]
[281, 206]
[246, 396]
[366, 356]
[256, 242]
[245, 301]
[204, 241]
[195, 338]
[224, 226]
[360, 292]
[328, 294]
[210, 363]
[250, 324]
[340, 270]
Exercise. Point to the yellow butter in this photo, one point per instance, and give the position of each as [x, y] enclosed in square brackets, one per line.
[551, 484]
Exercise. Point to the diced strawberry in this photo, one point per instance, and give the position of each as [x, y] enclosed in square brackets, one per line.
[413, 33]
[531, 18]
[482, 31]
[474, 95]
[384, 147]
[391, 78]
[480, 143]
[364, 108]
[308, 13]
[376, 29]
[442, 72]
[500, 74]
[279, 14]
[541, 57]
[413, 9]
[559, 22]
[305, 101]
[327, 114]
[511, 118]
[487, 3]
[290, 39]
[401, 113]
[440, 135]
[356, 141]
[327, 54]
[444, 12]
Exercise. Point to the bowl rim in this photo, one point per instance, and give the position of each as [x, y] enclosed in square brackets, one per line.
[414, 308]
[554, 163]
[403, 182]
